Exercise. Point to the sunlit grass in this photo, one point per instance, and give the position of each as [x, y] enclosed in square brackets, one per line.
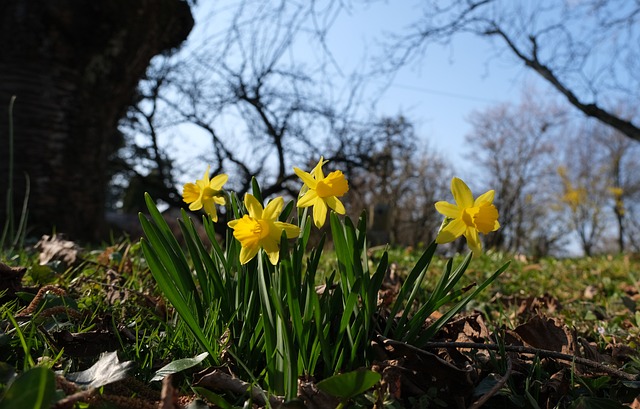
[597, 296]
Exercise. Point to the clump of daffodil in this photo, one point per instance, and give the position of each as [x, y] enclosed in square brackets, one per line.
[205, 193]
[320, 191]
[261, 228]
[467, 217]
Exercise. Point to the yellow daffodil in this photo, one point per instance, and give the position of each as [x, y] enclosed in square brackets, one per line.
[205, 193]
[261, 228]
[320, 191]
[467, 217]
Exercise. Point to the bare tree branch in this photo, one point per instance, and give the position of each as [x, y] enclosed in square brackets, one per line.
[587, 51]
[591, 110]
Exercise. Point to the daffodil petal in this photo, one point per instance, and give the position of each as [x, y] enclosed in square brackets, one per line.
[461, 193]
[247, 253]
[485, 219]
[306, 178]
[309, 199]
[218, 181]
[253, 206]
[206, 173]
[220, 200]
[473, 240]
[273, 209]
[197, 205]
[273, 238]
[202, 183]
[334, 184]
[335, 203]
[451, 231]
[317, 170]
[291, 230]
[190, 193]
[232, 223]
[274, 256]
[486, 198]
[447, 209]
[271, 243]
[319, 213]
[210, 209]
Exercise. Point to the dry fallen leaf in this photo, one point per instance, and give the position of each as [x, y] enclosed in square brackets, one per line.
[56, 248]
[546, 333]
[409, 371]
[107, 370]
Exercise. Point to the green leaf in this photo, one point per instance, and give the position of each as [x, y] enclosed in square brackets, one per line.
[293, 303]
[170, 290]
[284, 215]
[33, 389]
[190, 237]
[435, 327]
[178, 366]
[349, 384]
[375, 283]
[42, 274]
[410, 288]
[343, 250]
[256, 190]
[170, 255]
[217, 288]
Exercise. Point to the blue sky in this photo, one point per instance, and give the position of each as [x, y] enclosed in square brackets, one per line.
[442, 88]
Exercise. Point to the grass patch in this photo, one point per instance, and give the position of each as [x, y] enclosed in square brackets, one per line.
[108, 301]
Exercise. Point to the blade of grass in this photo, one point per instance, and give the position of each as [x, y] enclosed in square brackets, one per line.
[174, 296]
[412, 283]
[435, 327]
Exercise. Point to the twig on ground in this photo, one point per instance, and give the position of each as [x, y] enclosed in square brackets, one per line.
[540, 352]
[35, 302]
[218, 380]
[71, 400]
[169, 397]
[484, 398]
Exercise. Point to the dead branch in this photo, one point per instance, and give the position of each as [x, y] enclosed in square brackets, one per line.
[536, 351]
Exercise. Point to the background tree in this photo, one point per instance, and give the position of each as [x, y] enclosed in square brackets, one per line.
[395, 181]
[243, 91]
[588, 51]
[586, 216]
[586, 191]
[74, 67]
[617, 156]
[514, 146]
[142, 164]
[265, 112]
[262, 110]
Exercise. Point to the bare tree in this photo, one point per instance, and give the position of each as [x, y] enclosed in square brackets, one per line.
[397, 179]
[513, 144]
[588, 50]
[589, 192]
[427, 179]
[262, 109]
[619, 160]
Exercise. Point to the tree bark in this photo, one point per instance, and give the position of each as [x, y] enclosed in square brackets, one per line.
[73, 66]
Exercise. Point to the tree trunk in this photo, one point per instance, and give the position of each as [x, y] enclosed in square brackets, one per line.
[73, 66]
